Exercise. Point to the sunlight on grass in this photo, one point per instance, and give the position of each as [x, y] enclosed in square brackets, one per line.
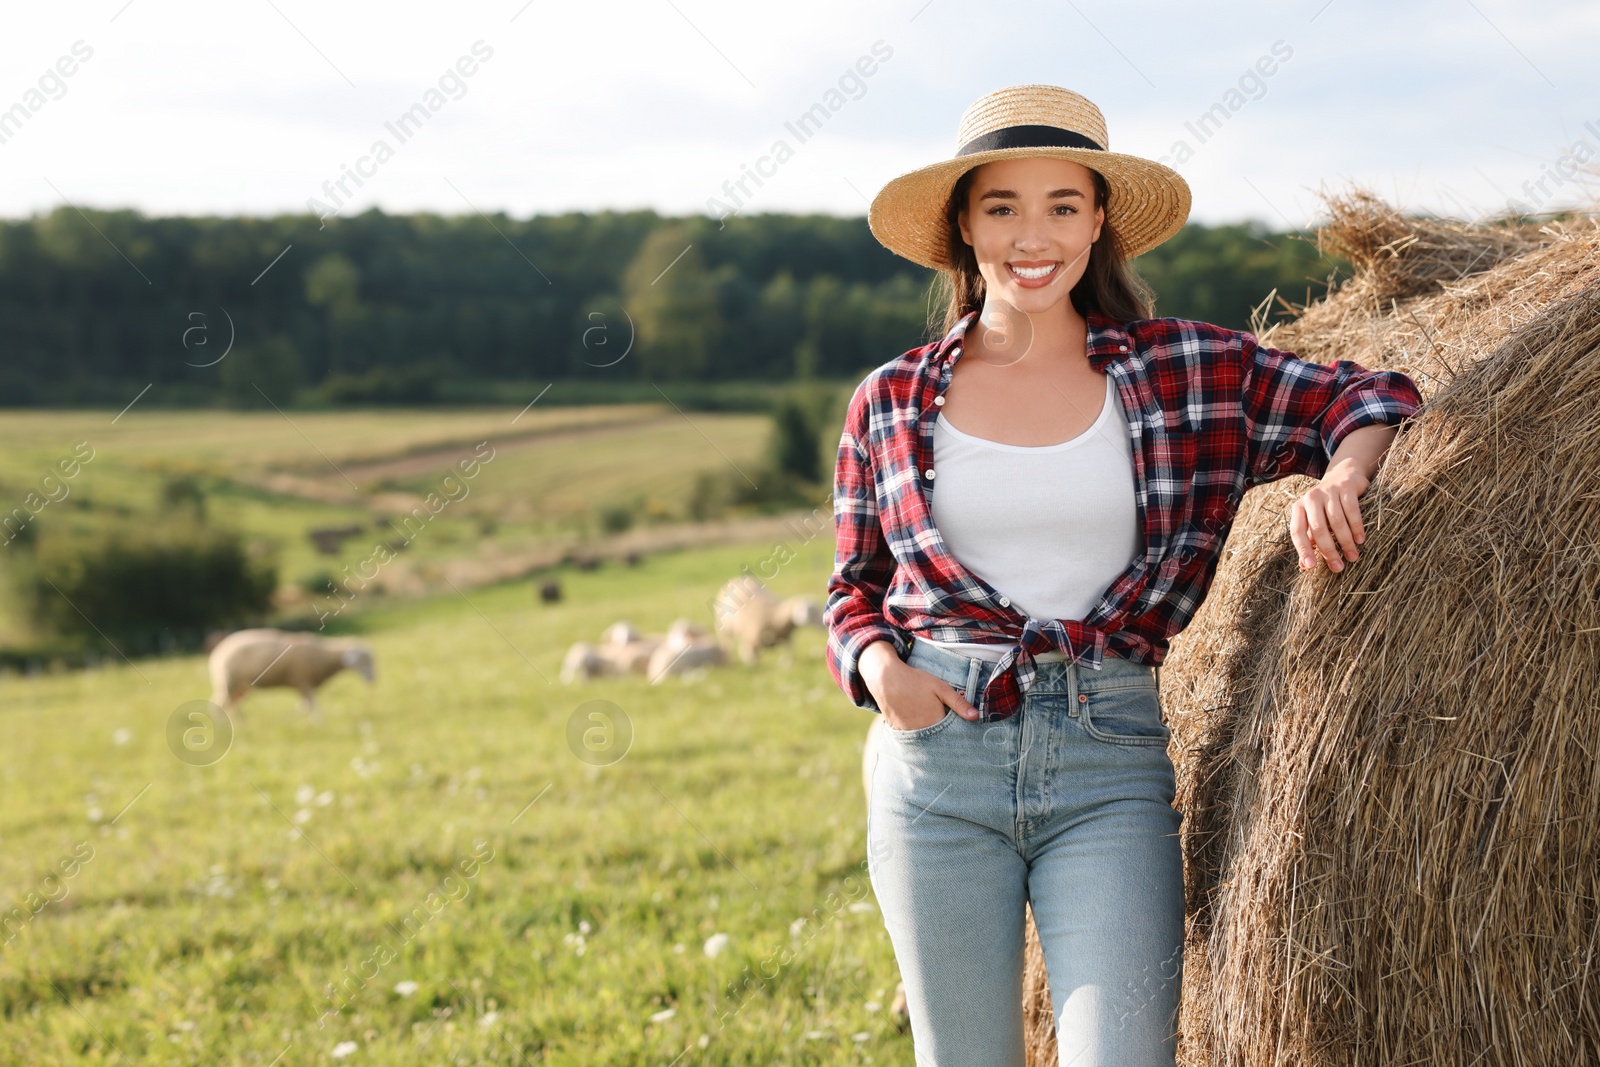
[308, 895]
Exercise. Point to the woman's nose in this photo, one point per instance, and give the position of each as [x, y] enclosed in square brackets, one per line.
[1031, 236]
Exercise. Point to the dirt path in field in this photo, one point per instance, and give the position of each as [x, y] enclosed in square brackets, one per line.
[445, 457]
[335, 487]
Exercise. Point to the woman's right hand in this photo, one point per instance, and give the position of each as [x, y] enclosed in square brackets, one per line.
[909, 697]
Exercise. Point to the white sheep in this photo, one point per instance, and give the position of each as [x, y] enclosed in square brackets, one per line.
[621, 632]
[627, 648]
[622, 650]
[257, 659]
[685, 647]
[749, 617]
[583, 661]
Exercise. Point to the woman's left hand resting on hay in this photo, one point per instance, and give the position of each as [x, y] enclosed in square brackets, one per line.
[1328, 515]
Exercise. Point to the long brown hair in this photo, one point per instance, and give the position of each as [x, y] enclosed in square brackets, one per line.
[1109, 285]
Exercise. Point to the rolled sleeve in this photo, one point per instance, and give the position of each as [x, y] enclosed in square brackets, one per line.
[863, 568]
[1297, 412]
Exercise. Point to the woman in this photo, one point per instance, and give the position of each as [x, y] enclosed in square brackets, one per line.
[1089, 461]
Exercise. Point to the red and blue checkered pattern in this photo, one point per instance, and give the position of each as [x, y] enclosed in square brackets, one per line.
[1211, 413]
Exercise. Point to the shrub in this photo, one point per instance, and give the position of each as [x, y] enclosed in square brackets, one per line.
[180, 491]
[262, 375]
[416, 383]
[135, 579]
[794, 448]
[615, 517]
[710, 496]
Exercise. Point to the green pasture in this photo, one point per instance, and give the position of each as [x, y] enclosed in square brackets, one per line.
[306, 899]
[276, 476]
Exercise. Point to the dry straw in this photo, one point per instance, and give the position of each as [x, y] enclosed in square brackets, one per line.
[1391, 776]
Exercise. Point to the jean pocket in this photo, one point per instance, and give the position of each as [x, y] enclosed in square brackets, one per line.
[922, 731]
[1124, 714]
[940, 668]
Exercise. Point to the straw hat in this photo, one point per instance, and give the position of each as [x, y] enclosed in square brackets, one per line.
[1148, 202]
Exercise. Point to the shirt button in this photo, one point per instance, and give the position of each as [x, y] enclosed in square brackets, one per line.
[929, 472]
[939, 400]
[1122, 348]
[1006, 601]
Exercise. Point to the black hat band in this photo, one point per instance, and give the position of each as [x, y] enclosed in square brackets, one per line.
[1028, 136]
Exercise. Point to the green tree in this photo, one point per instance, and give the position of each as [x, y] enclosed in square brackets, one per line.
[261, 375]
[793, 447]
[334, 284]
[673, 303]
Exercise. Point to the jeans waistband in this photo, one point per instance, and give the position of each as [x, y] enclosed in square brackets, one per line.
[1055, 675]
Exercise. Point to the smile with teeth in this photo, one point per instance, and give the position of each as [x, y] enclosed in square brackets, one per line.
[1032, 272]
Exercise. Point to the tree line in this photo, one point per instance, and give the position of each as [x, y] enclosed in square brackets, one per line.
[421, 308]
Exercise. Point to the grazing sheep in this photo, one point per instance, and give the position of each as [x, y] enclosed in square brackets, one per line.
[627, 648]
[622, 650]
[685, 647]
[550, 591]
[256, 659]
[620, 632]
[749, 617]
[584, 661]
[683, 628]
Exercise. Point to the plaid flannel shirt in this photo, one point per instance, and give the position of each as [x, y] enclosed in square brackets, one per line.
[1211, 413]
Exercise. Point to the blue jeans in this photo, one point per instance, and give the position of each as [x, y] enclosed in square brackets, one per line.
[1066, 805]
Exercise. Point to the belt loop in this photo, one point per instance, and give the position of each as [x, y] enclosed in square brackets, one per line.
[974, 666]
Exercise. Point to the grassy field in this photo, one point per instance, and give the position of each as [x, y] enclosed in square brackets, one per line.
[460, 865]
[276, 477]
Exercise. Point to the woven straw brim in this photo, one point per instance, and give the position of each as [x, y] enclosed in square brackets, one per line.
[1148, 202]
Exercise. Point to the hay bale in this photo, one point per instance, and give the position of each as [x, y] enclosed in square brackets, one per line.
[1391, 776]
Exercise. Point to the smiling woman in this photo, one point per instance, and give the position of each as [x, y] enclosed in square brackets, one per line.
[1080, 446]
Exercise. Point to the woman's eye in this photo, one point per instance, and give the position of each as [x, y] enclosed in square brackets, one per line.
[1067, 208]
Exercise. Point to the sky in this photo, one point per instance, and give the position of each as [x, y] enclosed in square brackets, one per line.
[262, 107]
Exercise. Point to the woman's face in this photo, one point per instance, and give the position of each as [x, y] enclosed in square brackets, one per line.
[1034, 215]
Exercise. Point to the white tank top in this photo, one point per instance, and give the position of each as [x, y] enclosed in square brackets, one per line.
[1049, 526]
